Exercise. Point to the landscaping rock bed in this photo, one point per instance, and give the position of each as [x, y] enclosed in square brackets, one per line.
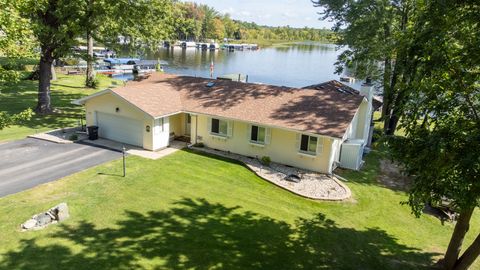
[311, 184]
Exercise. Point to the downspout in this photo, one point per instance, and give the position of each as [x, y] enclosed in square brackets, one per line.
[196, 128]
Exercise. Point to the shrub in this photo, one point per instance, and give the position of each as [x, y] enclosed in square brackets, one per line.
[34, 75]
[200, 145]
[14, 66]
[377, 134]
[73, 137]
[265, 160]
[92, 83]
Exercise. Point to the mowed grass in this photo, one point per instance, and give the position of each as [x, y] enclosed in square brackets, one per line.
[195, 211]
[16, 97]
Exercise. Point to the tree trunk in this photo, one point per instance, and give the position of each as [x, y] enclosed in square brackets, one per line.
[469, 256]
[45, 73]
[455, 245]
[89, 82]
[387, 73]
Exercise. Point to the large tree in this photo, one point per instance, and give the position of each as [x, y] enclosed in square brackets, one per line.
[142, 22]
[15, 44]
[376, 35]
[55, 24]
[441, 147]
[16, 41]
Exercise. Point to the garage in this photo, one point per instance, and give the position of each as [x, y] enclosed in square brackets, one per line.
[120, 129]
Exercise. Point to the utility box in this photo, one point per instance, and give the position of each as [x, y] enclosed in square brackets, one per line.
[351, 154]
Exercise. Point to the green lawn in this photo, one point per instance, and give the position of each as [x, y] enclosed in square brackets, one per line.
[16, 97]
[192, 211]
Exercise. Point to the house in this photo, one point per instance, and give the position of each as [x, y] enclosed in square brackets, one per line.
[307, 128]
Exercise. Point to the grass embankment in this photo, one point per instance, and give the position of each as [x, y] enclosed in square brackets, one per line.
[191, 211]
[16, 97]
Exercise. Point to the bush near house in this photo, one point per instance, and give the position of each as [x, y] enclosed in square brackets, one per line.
[265, 160]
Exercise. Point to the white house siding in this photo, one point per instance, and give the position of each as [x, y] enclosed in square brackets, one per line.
[282, 148]
[335, 154]
[160, 133]
[108, 104]
[365, 117]
[356, 137]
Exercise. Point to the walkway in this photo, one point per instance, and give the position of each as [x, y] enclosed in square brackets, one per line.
[137, 151]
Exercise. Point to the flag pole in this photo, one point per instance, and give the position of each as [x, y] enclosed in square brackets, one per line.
[211, 69]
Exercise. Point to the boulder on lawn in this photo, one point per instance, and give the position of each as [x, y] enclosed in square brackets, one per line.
[53, 215]
[60, 212]
[29, 224]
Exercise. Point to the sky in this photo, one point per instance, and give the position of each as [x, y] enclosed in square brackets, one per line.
[296, 13]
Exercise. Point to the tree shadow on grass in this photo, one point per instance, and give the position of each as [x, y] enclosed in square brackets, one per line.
[16, 97]
[198, 234]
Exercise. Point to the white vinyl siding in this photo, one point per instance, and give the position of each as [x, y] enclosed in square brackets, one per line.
[159, 126]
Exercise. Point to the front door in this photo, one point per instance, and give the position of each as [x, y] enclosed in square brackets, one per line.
[188, 121]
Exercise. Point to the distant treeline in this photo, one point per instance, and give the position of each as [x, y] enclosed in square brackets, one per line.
[200, 22]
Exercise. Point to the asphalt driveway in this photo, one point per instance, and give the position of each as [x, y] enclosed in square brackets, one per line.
[29, 162]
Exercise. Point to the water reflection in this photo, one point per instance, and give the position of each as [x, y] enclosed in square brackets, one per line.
[307, 47]
[295, 65]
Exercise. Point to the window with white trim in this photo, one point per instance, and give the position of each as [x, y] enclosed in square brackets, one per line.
[219, 127]
[258, 134]
[308, 144]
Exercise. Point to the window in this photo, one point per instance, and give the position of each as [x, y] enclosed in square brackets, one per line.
[158, 126]
[258, 134]
[219, 127]
[308, 144]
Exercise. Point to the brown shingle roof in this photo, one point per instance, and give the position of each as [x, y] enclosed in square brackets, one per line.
[317, 111]
[337, 86]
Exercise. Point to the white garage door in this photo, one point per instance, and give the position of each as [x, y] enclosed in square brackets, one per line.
[120, 129]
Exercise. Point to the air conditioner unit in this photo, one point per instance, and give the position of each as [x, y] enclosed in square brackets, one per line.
[351, 154]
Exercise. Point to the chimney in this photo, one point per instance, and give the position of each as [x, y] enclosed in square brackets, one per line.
[366, 89]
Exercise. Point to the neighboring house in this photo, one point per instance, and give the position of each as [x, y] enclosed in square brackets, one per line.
[307, 128]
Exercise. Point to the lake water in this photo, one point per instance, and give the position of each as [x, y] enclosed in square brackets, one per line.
[294, 65]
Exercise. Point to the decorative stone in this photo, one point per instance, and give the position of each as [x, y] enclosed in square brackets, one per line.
[43, 219]
[61, 212]
[312, 185]
[53, 215]
[29, 224]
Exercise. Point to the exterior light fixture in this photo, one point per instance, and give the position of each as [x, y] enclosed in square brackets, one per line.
[117, 109]
[147, 128]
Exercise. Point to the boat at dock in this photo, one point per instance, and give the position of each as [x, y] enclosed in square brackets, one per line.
[188, 44]
[98, 52]
[147, 66]
[122, 66]
[117, 66]
[239, 47]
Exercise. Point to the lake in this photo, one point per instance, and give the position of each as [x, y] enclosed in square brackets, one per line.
[294, 65]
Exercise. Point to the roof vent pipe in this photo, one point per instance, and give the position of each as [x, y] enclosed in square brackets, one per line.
[210, 84]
